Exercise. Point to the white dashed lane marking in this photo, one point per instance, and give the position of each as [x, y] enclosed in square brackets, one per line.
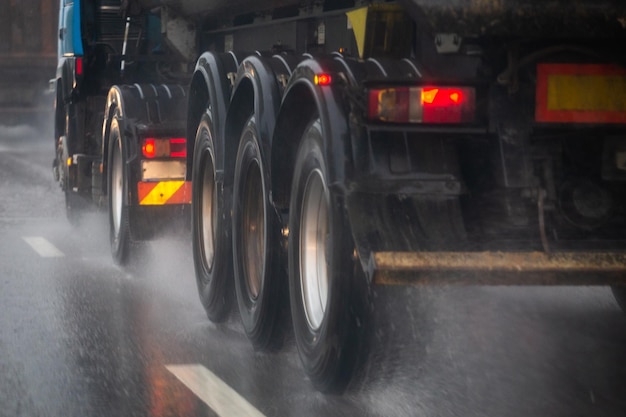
[43, 247]
[222, 399]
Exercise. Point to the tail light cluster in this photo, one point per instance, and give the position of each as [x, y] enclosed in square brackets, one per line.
[443, 105]
[164, 148]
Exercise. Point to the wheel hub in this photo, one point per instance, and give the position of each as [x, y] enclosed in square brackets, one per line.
[254, 228]
[117, 188]
[313, 246]
[208, 211]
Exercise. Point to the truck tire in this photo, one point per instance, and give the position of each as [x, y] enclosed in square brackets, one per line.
[619, 292]
[119, 228]
[211, 239]
[75, 205]
[325, 288]
[72, 203]
[258, 256]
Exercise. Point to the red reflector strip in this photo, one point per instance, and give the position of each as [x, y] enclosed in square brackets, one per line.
[178, 148]
[580, 93]
[163, 192]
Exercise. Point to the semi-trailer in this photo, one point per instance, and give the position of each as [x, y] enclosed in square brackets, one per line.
[320, 148]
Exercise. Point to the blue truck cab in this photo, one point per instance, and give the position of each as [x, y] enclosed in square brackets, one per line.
[70, 42]
[70, 49]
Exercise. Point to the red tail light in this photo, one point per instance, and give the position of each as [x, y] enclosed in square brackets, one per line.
[446, 105]
[149, 148]
[79, 66]
[323, 79]
[164, 148]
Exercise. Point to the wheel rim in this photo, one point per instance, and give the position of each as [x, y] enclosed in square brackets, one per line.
[253, 228]
[313, 242]
[117, 188]
[208, 211]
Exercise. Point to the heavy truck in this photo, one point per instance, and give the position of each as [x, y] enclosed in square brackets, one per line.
[331, 146]
[112, 75]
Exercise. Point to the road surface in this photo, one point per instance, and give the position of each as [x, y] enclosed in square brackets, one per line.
[80, 336]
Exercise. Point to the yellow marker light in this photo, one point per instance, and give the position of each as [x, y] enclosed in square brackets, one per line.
[428, 96]
[69, 162]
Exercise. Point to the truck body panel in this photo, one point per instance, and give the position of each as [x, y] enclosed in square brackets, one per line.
[219, 8]
[528, 18]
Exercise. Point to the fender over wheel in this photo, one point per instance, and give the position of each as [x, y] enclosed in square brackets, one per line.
[327, 289]
[119, 227]
[211, 239]
[258, 255]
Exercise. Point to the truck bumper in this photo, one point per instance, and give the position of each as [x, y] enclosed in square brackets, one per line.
[152, 221]
[498, 268]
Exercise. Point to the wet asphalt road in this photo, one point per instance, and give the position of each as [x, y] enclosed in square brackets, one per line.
[80, 336]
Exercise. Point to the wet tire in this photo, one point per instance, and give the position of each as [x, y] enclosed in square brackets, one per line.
[119, 224]
[75, 205]
[211, 234]
[326, 289]
[258, 259]
[619, 292]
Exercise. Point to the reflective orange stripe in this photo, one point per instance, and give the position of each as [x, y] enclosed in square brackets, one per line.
[164, 192]
[580, 93]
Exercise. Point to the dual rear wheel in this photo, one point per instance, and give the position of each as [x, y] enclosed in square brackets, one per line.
[211, 235]
[327, 291]
[324, 288]
[257, 252]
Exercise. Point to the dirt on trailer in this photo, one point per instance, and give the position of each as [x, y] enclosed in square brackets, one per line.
[528, 18]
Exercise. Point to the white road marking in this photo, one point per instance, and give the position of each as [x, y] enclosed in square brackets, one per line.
[43, 247]
[213, 391]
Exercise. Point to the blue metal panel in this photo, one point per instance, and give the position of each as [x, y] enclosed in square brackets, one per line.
[77, 40]
[71, 43]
